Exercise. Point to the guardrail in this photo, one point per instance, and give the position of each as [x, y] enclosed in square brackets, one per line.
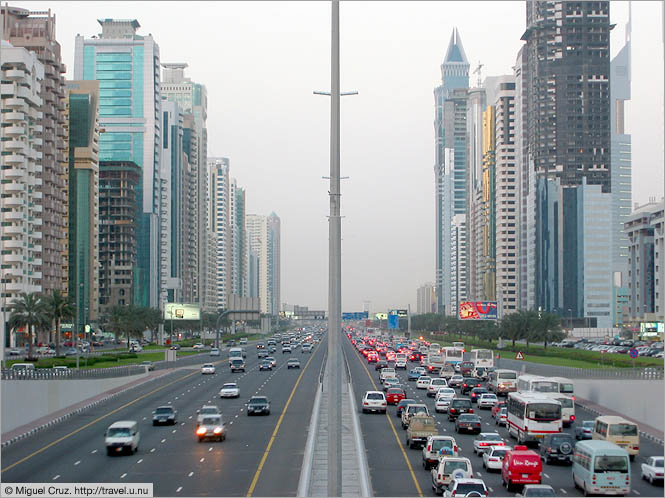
[647, 373]
[71, 373]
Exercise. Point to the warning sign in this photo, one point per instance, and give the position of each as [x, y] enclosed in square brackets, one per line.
[519, 356]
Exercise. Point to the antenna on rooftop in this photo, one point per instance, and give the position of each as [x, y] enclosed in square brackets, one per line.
[478, 72]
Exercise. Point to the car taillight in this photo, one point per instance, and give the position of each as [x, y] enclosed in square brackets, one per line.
[455, 448]
[201, 430]
[593, 479]
[573, 398]
[429, 447]
[365, 403]
[470, 410]
[440, 477]
[453, 493]
[463, 385]
[572, 418]
[453, 410]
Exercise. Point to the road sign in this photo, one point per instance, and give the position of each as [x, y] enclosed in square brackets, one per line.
[393, 321]
[519, 356]
[634, 353]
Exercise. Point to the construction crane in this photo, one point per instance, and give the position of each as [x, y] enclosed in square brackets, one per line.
[478, 72]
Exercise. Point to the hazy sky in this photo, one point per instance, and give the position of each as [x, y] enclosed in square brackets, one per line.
[261, 61]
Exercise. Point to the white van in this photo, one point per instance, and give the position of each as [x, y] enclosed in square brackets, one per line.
[122, 436]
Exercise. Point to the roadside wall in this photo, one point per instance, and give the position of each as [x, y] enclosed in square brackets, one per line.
[38, 398]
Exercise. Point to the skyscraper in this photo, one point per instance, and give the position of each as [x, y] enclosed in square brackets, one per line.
[274, 263]
[450, 169]
[35, 31]
[83, 98]
[264, 234]
[127, 67]
[567, 94]
[238, 240]
[219, 209]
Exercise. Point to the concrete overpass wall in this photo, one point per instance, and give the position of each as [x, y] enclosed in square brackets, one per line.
[39, 398]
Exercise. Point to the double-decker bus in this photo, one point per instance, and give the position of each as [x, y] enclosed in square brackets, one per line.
[531, 416]
[528, 383]
[482, 358]
[452, 355]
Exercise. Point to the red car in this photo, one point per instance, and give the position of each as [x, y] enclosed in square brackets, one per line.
[521, 466]
[394, 395]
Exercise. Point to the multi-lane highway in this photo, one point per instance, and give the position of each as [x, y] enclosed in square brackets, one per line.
[261, 456]
[396, 470]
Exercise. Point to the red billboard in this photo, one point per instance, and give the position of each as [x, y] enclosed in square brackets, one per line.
[478, 310]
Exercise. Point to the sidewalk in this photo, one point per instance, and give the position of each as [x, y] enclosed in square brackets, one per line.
[646, 431]
[53, 418]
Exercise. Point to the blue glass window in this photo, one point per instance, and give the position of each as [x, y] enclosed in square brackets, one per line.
[114, 57]
[114, 93]
[117, 66]
[114, 84]
[113, 75]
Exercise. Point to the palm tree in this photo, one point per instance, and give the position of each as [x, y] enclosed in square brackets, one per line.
[29, 311]
[115, 320]
[59, 307]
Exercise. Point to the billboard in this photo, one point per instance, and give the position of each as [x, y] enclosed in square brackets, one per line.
[478, 310]
[359, 315]
[393, 321]
[181, 311]
[381, 316]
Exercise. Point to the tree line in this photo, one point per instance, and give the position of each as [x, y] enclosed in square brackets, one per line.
[526, 325]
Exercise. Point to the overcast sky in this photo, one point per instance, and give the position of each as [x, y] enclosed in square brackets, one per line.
[261, 62]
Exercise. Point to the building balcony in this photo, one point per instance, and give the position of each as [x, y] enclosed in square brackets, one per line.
[14, 229]
[14, 103]
[13, 117]
[13, 187]
[15, 74]
[14, 145]
[13, 215]
[13, 258]
[14, 272]
[14, 131]
[13, 159]
[13, 172]
[14, 244]
[13, 201]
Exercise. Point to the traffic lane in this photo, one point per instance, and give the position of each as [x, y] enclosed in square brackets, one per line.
[557, 475]
[281, 471]
[90, 426]
[247, 441]
[388, 470]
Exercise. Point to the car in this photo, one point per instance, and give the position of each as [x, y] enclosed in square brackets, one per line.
[175, 347]
[466, 487]
[459, 406]
[231, 343]
[557, 447]
[401, 363]
[198, 345]
[261, 345]
[211, 427]
[229, 390]
[423, 382]
[585, 430]
[243, 340]
[443, 398]
[493, 457]
[436, 447]
[497, 406]
[468, 384]
[413, 375]
[265, 365]
[258, 404]
[537, 490]
[208, 368]
[150, 365]
[14, 352]
[214, 352]
[286, 348]
[122, 436]
[412, 410]
[206, 410]
[272, 349]
[468, 422]
[293, 363]
[402, 404]
[237, 364]
[484, 440]
[261, 353]
[390, 382]
[164, 415]
[380, 364]
[272, 360]
[652, 469]
[450, 468]
[71, 352]
[434, 386]
[374, 401]
[487, 400]
[501, 417]
[456, 381]
[476, 392]
[394, 395]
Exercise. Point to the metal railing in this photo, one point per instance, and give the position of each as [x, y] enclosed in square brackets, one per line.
[647, 373]
[71, 373]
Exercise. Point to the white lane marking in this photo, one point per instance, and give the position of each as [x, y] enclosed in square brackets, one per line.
[201, 460]
[176, 397]
[564, 491]
[169, 403]
[144, 418]
[152, 450]
[140, 460]
[123, 475]
[190, 474]
[93, 452]
[636, 492]
[479, 474]
[77, 462]
[546, 476]
[56, 477]
[178, 490]
[491, 490]
[231, 422]
[182, 423]
[163, 440]
[236, 416]
[190, 416]
[210, 449]
[173, 431]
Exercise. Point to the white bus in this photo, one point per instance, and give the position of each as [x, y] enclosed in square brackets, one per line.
[567, 407]
[459, 345]
[503, 381]
[482, 358]
[434, 348]
[452, 355]
[528, 383]
[566, 386]
[531, 416]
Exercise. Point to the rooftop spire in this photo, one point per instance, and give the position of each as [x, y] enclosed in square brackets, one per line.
[455, 52]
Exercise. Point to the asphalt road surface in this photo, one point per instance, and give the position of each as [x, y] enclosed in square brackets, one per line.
[396, 470]
[261, 456]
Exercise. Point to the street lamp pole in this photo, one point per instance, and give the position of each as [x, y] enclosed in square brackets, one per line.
[79, 292]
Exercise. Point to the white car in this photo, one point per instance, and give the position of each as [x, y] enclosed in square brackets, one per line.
[493, 457]
[214, 352]
[652, 469]
[466, 487]
[230, 390]
[423, 382]
[501, 417]
[374, 401]
[435, 384]
[486, 439]
[208, 368]
[421, 370]
[487, 400]
[198, 345]
[401, 363]
[443, 398]
[205, 411]
[450, 468]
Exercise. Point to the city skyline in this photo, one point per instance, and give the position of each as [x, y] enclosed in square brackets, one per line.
[379, 206]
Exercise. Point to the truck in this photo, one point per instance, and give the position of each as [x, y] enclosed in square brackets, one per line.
[435, 361]
[420, 428]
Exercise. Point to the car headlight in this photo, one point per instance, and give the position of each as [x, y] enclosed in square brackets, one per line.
[218, 430]
[200, 431]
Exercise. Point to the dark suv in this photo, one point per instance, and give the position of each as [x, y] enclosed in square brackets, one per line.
[557, 447]
[469, 383]
[458, 406]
